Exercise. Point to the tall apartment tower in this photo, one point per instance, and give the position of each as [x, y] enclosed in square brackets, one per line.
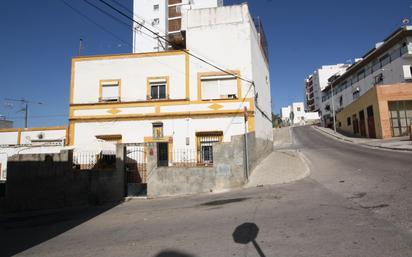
[165, 18]
[318, 81]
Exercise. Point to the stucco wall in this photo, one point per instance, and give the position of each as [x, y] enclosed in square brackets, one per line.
[378, 97]
[228, 169]
[367, 99]
[46, 181]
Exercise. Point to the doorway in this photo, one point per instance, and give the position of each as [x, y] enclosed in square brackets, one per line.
[362, 123]
[162, 154]
[371, 122]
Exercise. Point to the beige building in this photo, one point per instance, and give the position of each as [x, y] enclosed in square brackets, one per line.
[384, 111]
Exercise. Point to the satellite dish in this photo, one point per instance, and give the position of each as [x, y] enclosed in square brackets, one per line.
[405, 21]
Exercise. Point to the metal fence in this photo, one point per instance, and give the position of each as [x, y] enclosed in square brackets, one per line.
[94, 160]
[191, 157]
[136, 163]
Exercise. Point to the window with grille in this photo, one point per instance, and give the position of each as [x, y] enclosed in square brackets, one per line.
[205, 141]
[219, 87]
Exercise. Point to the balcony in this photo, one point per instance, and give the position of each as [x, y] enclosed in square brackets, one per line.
[262, 37]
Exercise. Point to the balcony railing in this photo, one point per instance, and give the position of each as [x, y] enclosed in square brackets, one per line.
[262, 37]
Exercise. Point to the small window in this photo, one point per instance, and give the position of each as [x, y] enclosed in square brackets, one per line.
[379, 79]
[158, 90]
[219, 87]
[156, 7]
[156, 21]
[348, 121]
[157, 130]
[109, 91]
[298, 109]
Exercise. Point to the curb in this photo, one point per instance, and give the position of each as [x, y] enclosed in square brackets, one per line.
[362, 144]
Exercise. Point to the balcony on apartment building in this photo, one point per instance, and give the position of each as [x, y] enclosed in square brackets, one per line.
[262, 37]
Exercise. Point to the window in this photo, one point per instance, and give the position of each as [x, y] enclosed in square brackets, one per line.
[348, 121]
[157, 130]
[385, 60]
[219, 87]
[298, 109]
[110, 91]
[155, 21]
[156, 7]
[205, 141]
[379, 79]
[157, 88]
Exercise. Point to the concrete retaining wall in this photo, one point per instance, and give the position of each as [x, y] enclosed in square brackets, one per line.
[47, 181]
[228, 170]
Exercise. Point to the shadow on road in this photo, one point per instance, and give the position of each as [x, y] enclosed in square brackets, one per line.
[172, 253]
[19, 232]
[247, 233]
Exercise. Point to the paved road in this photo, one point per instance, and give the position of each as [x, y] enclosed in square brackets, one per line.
[343, 209]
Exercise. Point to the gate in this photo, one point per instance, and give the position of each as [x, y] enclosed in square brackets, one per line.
[136, 169]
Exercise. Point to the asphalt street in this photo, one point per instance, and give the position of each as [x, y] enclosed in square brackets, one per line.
[356, 202]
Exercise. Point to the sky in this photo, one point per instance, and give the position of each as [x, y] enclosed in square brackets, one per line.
[39, 38]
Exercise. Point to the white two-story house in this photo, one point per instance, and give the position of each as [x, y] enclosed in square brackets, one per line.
[173, 98]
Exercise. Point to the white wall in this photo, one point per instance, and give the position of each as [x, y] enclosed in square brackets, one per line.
[8, 138]
[135, 131]
[232, 51]
[144, 13]
[133, 73]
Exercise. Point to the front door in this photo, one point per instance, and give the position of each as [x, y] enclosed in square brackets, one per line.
[362, 124]
[371, 122]
[162, 154]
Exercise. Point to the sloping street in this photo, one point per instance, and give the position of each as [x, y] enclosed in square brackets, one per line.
[341, 209]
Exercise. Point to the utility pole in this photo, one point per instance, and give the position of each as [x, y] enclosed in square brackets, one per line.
[246, 116]
[25, 108]
[80, 46]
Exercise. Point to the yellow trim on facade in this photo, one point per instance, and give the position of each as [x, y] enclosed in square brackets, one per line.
[187, 71]
[71, 133]
[168, 102]
[251, 124]
[124, 56]
[170, 115]
[199, 134]
[157, 117]
[201, 75]
[33, 129]
[165, 139]
[148, 87]
[119, 87]
[72, 82]
[117, 138]
[19, 136]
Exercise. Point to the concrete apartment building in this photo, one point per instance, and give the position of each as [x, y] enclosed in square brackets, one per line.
[317, 82]
[172, 98]
[165, 18]
[373, 97]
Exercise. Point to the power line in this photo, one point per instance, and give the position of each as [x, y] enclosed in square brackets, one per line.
[95, 23]
[171, 43]
[252, 84]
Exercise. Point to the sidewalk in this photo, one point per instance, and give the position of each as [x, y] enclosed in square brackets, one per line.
[399, 143]
[282, 166]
